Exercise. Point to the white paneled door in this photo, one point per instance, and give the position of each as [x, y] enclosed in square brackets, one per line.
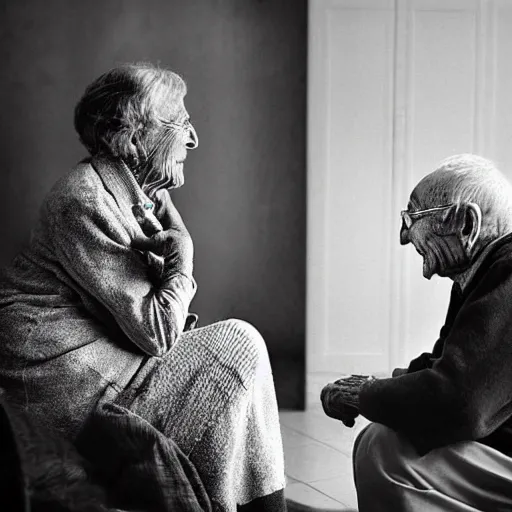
[394, 87]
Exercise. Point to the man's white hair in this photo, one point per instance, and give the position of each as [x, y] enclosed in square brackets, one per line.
[471, 178]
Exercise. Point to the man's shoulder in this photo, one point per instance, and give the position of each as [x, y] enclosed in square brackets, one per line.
[503, 251]
[496, 271]
[500, 262]
[497, 260]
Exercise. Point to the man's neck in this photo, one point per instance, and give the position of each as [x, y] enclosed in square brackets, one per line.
[465, 277]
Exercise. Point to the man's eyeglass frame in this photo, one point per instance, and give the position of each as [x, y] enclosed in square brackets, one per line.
[409, 217]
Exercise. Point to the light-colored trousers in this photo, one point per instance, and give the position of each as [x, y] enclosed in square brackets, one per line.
[391, 476]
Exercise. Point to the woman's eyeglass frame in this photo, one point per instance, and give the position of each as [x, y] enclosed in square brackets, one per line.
[186, 125]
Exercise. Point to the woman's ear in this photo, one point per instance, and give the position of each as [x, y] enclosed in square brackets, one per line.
[472, 224]
[132, 156]
[137, 152]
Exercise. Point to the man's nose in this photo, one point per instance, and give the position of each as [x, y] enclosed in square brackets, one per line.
[404, 235]
[192, 139]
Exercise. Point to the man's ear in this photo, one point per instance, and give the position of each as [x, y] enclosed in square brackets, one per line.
[471, 224]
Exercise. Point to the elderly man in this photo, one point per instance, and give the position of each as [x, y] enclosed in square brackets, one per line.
[442, 437]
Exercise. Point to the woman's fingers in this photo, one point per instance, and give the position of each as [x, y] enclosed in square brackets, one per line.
[144, 243]
[159, 243]
[166, 242]
[166, 212]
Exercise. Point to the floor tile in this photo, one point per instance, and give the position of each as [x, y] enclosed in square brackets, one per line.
[292, 438]
[318, 458]
[318, 426]
[290, 480]
[313, 401]
[312, 462]
[308, 497]
[341, 489]
[345, 441]
[312, 423]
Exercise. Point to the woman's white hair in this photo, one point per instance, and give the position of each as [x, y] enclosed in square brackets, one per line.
[123, 104]
[471, 178]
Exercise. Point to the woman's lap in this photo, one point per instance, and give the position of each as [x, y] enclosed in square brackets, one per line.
[213, 394]
[180, 393]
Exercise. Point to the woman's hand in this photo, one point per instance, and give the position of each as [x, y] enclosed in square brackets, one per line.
[174, 243]
[166, 212]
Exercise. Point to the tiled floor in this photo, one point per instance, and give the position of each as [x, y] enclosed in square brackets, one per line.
[318, 459]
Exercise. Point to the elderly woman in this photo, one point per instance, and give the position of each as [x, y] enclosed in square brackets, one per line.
[95, 308]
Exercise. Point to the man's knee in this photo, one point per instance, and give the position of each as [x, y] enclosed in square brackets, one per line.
[383, 471]
[377, 455]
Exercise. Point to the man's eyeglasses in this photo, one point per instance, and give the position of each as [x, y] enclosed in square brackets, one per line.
[409, 217]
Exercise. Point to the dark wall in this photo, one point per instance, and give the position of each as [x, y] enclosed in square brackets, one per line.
[244, 197]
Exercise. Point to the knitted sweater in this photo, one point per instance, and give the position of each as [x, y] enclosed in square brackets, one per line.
[463, 390]
[80, 309]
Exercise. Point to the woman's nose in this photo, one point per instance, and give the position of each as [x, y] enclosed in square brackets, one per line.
[192, 139]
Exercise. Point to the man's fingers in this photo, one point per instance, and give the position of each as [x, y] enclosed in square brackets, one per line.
[336, 407]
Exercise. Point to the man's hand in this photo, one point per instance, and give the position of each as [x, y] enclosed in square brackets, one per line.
[340, 399]
[335, 407]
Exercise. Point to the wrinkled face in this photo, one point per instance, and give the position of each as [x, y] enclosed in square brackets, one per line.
[184, 134]
[443, 254]
[167, 149]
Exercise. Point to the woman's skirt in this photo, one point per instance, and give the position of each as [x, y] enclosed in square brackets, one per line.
[214, 395]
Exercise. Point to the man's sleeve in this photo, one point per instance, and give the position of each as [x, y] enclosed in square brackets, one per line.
[93, 247]
[467, 392]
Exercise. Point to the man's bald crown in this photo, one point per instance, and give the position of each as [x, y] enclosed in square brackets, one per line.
[468, 178]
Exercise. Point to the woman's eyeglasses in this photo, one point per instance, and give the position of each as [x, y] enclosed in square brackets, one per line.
[409, 217]
[186, 125]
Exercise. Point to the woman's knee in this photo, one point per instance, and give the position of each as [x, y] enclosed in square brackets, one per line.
[247, 334]
[252, 354]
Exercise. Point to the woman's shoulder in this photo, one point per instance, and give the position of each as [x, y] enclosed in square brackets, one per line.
[80, 186]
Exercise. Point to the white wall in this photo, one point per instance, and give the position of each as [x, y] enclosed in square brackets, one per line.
[394, 87]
